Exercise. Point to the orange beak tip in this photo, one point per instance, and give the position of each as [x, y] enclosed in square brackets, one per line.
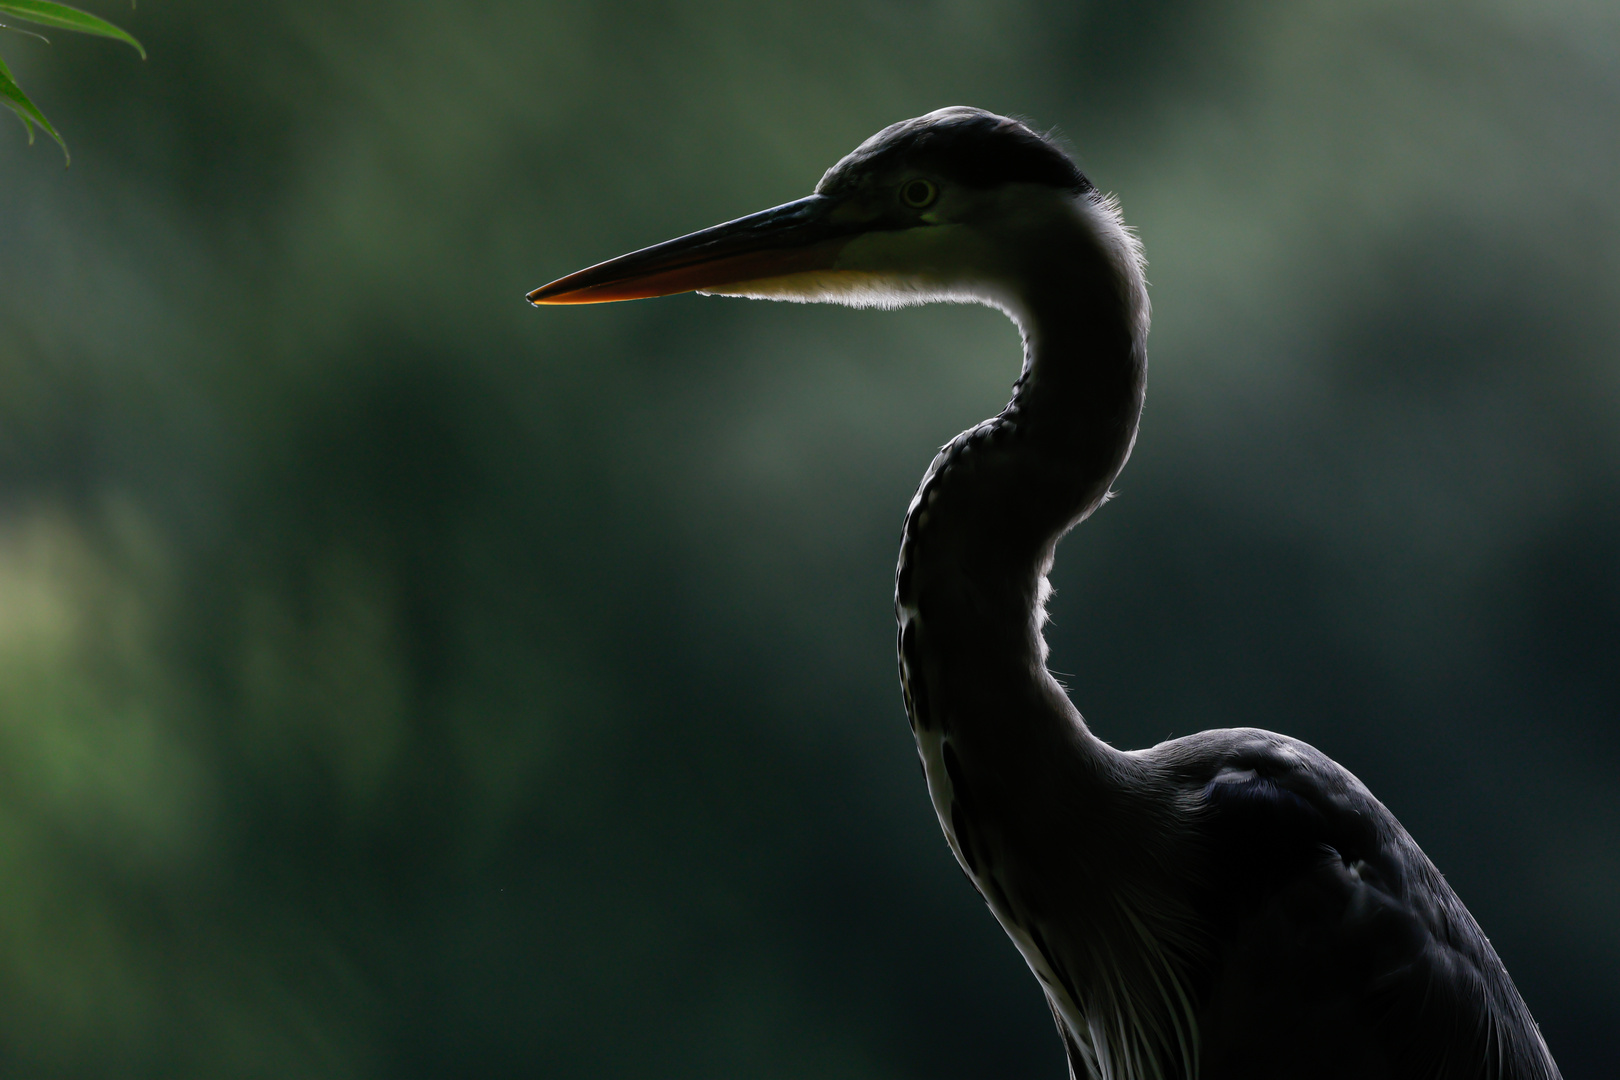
[540, 298]
[785, 240]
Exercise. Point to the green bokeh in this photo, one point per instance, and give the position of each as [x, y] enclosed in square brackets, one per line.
[398, 681]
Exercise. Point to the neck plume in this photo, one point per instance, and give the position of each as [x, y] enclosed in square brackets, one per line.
[1036, 808]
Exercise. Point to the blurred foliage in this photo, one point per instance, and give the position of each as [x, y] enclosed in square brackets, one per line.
[59, 17]
[399, 681]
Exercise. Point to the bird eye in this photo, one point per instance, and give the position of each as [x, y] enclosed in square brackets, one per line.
[918, 193]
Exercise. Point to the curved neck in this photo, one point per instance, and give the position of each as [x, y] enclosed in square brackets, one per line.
[982, 529]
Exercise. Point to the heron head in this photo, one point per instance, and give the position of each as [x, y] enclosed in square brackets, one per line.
[953, 205]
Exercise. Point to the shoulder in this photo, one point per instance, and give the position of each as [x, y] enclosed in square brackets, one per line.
[1268, 811]
[1331, 928]
[1238, 780]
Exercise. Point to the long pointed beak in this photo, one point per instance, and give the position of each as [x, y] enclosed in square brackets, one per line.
[793, 238]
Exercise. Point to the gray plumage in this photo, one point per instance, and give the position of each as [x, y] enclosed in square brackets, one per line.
[1233, 905]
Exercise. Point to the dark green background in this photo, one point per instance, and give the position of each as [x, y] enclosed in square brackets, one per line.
[398, 681]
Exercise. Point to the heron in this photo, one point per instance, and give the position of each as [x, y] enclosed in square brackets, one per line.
[1230, 905]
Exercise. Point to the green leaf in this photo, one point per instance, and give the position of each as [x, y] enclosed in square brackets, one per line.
[13, 98]
[63, 17]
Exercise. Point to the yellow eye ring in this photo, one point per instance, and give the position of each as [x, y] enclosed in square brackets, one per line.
[918, 193]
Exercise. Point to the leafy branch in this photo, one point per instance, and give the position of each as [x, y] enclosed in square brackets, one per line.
[60, 17]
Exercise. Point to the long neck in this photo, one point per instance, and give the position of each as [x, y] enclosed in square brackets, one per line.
[981, 532]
